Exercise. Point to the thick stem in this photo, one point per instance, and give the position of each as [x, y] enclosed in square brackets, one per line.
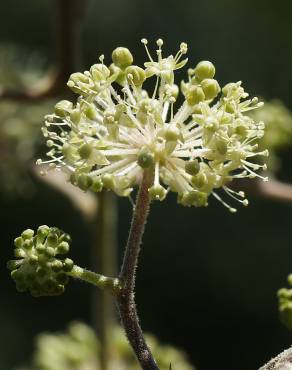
[126, 302]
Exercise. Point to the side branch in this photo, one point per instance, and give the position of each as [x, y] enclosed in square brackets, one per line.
[126, 302]
[93, 278]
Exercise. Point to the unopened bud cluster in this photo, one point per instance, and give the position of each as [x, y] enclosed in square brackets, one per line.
[37, 267]
[116, 130]
[285, 304]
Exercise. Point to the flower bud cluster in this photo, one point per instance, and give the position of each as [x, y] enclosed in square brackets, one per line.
[37, 267]
[116, 130]
[285, 304]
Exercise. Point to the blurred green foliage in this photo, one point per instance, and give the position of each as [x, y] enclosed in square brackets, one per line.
[278, 130]
[79, 348]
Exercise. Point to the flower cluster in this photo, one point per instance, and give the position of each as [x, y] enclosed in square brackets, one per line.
[117, 130]
[37, 268]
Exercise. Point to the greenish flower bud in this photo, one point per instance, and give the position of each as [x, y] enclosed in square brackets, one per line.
[57, 265]
[43, 231]
[63, 108]
[135, 75]
[37, 269]
[19, 253]
[68, 265]
[145, 159]
[200, 180]
[108, 181]
[33, 260]
[85, 150]
[13, 265]
[211, 88]
[18, 242]
[52, 239]
[192, 167]
[40, 248]
[194, 198]
[50, 252]
[90, 112]
[27, 234]
[63, 248]
[205, 69]
[27, 244]
[229, 88]
[195, 95]
[172, 133]
[99, 72]
[97, 185]
[157, 192]
[221, 146]
[84, 181]
[120, 74]
[75, 115]
[122, 57]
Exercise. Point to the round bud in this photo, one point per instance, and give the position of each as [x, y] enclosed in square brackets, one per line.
[157, 192]
[50, 252]
[135, 75]
[43, 231]
[211, 88]
[229, 88]
[52, 239]
[97, 185]
[200, 180]
[18, 242]
[84, 181]
[57, 266]
[27, 234]
[63, 248]
[75, 115]
[172, 133]
[68, 265]
[205, 69]
[192, 167]
[40, 248]
[85, 150]
[221, 146]
[108, 181]
[195, 95]
[63, 107]
[90, 112]
[122, 57]
[99, 72]
[194, 198]
[145, 159]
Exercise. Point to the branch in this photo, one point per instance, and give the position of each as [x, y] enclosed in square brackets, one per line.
[272, 189]
[69, 19]
[126, 302]
[282, 362]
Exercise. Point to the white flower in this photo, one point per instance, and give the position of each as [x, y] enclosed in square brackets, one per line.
[116, 130]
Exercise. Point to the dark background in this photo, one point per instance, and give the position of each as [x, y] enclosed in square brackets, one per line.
[208, 279]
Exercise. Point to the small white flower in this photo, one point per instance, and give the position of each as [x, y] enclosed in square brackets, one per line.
[117, 130]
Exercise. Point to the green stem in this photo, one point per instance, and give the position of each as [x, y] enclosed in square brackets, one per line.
[101, 281]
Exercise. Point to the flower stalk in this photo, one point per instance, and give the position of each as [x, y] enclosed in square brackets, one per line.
[125, 297]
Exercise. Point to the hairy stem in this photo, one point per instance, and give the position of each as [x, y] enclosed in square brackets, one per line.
[125, 297]
[93, 278]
